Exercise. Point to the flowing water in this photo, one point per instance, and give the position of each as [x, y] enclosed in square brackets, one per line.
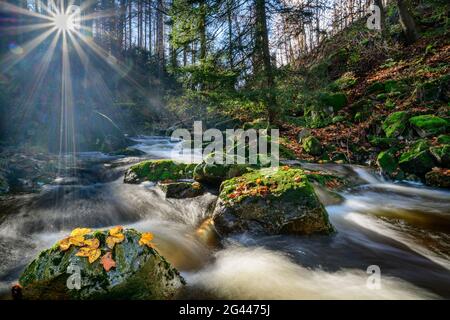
[404, 229]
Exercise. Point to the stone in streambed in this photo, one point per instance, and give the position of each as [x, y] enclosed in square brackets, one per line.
[438, 177]
[181, 189]
[387, 162]
[159, 170]
[141, 273]
[270, 201]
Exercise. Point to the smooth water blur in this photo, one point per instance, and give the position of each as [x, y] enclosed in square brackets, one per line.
[402, 228]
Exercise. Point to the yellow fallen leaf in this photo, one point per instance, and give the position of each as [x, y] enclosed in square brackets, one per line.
[115, 236]
[80, 232]
[91, 253]
[146, 239]
[76, 238]
[196, 185]
[90, 250]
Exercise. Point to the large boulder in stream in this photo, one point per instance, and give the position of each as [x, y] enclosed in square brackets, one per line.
[159, 170]
[114, 264]
[270, 200]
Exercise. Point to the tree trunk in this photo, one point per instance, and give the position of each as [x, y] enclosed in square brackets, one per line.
[407, 21]
[263, 55]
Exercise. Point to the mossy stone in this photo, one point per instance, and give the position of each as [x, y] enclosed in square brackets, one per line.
[270, 200]
[387, 162]
[140, 273]
[159, 170]
[312, 146]
[417, 159]
[429, 125]
[395, 124]
[335, 100]
[442, 155]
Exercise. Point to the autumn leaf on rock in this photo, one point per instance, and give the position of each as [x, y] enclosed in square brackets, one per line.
[91, 250]
[107, 261]
[115, 236]
[76, 238]
[146, 239]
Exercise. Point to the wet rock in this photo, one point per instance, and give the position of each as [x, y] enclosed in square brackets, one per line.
[395, 124]
[158, 170]
[429, 125]
[181, 190]
[270, 201]
[140, 273]
[387, 162]
[438, 177]
[442, 155]
[417, 159]
[312, 146]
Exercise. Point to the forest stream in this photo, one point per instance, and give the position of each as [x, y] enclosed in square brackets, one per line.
[403, 228]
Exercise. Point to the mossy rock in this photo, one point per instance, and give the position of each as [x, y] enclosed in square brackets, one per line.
[382, 142]
[159, 170]
[417, 159]
[215, 173]
[363, 105]
[436, 178]
[181, 189]
[444, 139]
[433, 90]
[375, 87]
[312, 146]
[335, 100]
[442, 155]
[395, 124]
[429, 125]
[141, 273]
[388, 86]
[387, 162]
[270, 200]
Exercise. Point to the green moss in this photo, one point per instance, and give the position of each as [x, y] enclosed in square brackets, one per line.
[441, 154]
[444, 139]
[312, 145]
[417, 159]
[140, 273]
[387, 162]
[428, 125]
[382, 142]
[157, 170]
[395, 124]
[335, 100]
[280, 200]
